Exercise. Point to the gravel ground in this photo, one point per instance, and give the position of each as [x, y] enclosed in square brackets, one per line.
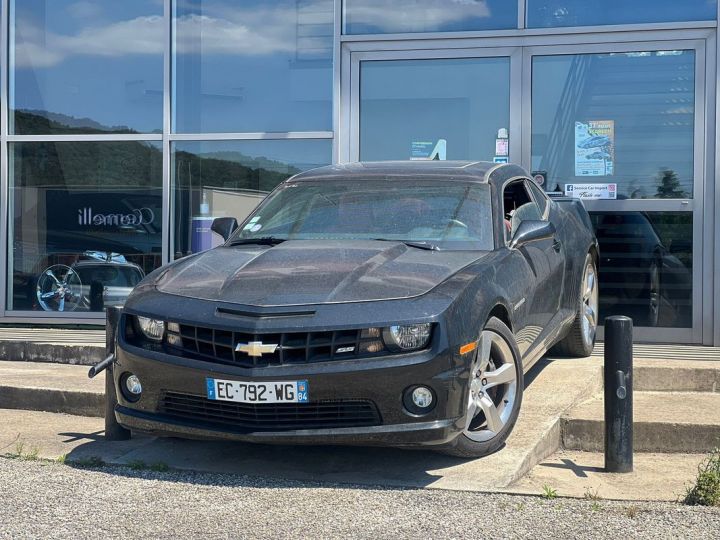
[53, 500]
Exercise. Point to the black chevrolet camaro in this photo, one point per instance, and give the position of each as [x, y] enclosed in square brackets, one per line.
[394, 304]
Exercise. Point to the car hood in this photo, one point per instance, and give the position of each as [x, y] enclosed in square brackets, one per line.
[312, 272]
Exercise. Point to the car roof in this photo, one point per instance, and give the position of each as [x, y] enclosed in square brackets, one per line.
[473, 171]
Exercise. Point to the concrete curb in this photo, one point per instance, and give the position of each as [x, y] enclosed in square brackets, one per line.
[552, 440]
[677, 378]
[52, 400]
[27, 351]
[661, 437]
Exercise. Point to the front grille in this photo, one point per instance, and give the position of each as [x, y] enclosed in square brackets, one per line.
[244, 417]
[218, 346]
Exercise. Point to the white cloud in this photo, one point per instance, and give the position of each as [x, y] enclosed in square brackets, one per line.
[229, 30]
[413, 15]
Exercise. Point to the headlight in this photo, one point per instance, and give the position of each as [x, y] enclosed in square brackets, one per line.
[152, 328]
[408, 337]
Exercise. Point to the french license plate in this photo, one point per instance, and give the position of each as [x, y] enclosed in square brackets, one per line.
[258, 392]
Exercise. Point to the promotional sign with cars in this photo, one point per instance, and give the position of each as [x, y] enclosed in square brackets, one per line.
[594, 148]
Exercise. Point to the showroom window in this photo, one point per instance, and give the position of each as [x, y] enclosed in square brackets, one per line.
[400, 16]
[552, 13]
[628, 118]
[448, 108]
[618, 130]
[214, 179]
[253, 66]
[85, 223]
[86, 67]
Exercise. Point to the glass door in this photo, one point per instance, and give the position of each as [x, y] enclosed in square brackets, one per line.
[444, 104]
[621, 127]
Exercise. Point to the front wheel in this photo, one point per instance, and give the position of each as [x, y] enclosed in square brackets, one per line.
[581, 339]
[494, 394]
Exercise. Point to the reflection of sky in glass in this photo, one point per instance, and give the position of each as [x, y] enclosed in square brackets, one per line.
[549, 13]
[464, 101]
[97, 61]
[650, 96]
[399, 16]
[252, 66]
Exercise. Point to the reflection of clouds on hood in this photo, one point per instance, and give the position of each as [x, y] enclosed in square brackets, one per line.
[411, 15]
[226, 30]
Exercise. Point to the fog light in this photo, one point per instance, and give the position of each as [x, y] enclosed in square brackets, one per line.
[419, 400]
[422, 397]
[132, 384]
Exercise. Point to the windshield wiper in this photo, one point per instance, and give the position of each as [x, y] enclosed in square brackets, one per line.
[262, 241]
[420, 245]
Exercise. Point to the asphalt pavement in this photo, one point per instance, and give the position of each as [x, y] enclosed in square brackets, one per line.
[42, 499]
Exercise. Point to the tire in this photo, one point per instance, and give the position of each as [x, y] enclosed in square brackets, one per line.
[496, 388]
[113, 430]
[580, 340]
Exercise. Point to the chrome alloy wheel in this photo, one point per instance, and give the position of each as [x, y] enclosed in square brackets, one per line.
[589, 303]
[59, 289]
[493, 388]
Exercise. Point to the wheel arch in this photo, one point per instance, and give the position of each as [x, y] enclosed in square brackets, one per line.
[501, 312]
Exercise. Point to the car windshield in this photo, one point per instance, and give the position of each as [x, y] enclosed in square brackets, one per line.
[445, 214]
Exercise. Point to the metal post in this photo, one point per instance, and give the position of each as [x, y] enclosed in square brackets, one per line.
[113, 430]
[618, 394]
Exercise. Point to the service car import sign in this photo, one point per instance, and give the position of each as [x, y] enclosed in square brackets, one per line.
[591, 191]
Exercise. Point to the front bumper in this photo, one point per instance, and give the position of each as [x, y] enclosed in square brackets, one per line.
[380, 381]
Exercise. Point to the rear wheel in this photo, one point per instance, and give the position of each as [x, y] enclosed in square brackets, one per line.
[581, 338]
[494, 395]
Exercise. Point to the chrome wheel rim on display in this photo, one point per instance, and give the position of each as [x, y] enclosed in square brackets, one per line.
[590, 304]
[59, 289]
[493, 388]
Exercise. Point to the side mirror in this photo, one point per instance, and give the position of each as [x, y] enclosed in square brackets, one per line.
[532, 231]
[224, 226]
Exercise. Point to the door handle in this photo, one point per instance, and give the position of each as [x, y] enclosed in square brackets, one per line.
[557, 244]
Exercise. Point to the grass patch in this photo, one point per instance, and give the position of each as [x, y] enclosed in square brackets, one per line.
[706, 491]
[548, 492]
[22, 452]
[592, 494]
[632, 511]
[159, 467]
[595, 506]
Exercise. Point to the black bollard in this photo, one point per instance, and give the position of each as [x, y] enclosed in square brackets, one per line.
[113, 430]
[618, 395]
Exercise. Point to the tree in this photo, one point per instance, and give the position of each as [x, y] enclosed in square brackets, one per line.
[669, 185]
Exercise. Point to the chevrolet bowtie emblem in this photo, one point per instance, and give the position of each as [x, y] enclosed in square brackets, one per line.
[256, 348]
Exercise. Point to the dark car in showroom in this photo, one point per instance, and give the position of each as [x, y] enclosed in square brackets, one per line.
[395, 303]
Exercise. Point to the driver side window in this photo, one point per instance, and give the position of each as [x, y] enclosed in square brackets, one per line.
[518, 206]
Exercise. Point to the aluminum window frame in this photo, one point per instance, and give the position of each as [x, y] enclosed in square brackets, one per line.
[166, 138]
[513, 54]
[699, 330]
[344, 46]
[699, 37]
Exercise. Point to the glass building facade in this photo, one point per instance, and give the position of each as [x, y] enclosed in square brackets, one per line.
[127, 127]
